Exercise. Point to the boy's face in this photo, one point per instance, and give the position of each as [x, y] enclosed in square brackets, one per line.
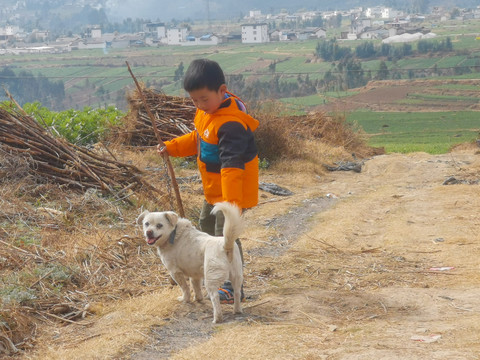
[208, 100]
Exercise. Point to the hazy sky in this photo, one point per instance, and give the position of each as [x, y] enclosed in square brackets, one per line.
[164, 10]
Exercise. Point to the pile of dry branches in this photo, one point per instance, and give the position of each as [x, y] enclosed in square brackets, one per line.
[282, 136]
[56, 160]
[173, 115]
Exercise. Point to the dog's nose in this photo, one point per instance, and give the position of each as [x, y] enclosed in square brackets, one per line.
[149, 233]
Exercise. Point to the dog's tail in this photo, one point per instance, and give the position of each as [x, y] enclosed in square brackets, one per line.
[233, 225]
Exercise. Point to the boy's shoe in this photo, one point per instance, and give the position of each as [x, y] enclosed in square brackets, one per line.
[226, 296]
[226, 293]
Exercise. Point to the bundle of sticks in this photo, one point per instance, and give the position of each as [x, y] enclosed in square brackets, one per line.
[56, 160]
[173, 116]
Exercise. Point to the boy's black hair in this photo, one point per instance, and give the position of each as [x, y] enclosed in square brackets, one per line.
[203, 73]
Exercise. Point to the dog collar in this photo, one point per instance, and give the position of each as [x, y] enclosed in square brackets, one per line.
[171, 238]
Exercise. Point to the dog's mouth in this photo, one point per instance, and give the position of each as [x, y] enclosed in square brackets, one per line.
[152, 240]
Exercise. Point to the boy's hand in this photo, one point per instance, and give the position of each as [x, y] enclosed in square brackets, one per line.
[162, 149]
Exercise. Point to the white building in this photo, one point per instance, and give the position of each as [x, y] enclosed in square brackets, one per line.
[389, 13]
[254, 33]
[359, 25]
[157, 30]
[374, 12]
[93, 32]
[255, 13]
[39, 35]
[208, 39]
[96, 33]
[310, 15]
[9, 31]
[176, 36]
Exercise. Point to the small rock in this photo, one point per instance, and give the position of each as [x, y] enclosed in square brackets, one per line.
[332, 328]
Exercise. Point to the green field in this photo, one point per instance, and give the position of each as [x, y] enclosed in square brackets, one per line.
[433, 133]
[98, 78]
[157, 65]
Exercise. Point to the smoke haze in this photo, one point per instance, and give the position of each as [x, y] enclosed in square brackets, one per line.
[163, 10]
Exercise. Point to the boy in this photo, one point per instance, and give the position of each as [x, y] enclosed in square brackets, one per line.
[223, 142]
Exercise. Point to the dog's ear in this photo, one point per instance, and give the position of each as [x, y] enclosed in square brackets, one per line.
[171, 217]
[141, 216]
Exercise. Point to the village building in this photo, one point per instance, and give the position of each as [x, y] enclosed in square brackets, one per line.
[374, 12]
[370, 34]
[389, 13]
[255, 33]
[8, 32]
[176, 36]
[202, 40]
[156, 30]
[39, 35]
[93, 32]
[254, 14]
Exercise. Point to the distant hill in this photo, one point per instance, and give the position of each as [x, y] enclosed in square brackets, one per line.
[65, 16]
[164, 10]
[219, 9]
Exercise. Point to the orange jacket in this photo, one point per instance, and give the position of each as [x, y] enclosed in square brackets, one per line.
[226, 153]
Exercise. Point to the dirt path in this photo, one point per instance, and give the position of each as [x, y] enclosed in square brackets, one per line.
[378, 264]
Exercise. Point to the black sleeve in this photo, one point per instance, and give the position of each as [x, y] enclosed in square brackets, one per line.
[233, 142]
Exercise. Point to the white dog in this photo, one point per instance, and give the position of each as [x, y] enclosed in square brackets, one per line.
[189, 253]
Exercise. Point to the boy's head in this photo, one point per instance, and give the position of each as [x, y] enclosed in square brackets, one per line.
[205, 82]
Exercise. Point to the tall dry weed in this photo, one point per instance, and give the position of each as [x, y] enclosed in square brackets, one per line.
[283, 137]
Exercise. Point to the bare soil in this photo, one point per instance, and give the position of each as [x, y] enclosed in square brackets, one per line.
[400, 95]
[353, 266]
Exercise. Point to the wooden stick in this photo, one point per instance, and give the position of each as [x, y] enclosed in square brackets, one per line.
[15, 102]
[165, 155]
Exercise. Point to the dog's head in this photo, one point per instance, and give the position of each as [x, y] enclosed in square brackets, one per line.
[157, 226]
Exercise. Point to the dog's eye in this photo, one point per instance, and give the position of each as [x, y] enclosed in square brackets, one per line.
[159, 226]
[146, 224]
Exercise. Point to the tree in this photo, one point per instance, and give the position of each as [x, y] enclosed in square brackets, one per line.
[385, 49]
[382, 73]
[25, 87]
[454, 13]
[329, 50]
[448, 44]
[365, 50]
[338, 20]
[407, 49]
[423, 46]
[353, 73]
[178, 72]
[272, 66]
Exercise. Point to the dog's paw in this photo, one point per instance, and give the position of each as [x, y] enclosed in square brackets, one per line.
[237, 310]
[198, 299]
[217, 320]
[183, 299]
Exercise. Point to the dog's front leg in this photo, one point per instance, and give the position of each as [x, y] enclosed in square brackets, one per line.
[180, 280]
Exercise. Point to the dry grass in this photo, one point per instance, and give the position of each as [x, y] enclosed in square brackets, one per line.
[118, 326]
[308, 137]
[66, 254]
[76, 274]
[260, 341]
